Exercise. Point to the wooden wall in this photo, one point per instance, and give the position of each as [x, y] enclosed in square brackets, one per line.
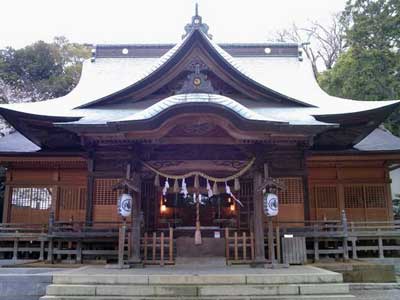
[66, 185]
[291, 200]
[360, 187]
[105, 200]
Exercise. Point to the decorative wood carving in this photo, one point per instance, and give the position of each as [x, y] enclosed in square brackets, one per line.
[197, 81]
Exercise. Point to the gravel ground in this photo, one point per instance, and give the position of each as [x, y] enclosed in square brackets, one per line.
[377, 294]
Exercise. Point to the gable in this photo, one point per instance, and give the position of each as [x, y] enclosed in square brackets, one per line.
[196, 65]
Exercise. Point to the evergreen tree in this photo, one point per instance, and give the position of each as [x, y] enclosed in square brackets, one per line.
[370, 69]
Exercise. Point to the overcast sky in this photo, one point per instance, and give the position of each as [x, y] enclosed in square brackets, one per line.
[153, 21]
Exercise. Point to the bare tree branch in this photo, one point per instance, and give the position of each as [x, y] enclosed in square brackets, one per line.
[317, 41]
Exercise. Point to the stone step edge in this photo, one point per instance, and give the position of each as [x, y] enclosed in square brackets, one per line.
[197, 279]
[299, 297]
[196, 291]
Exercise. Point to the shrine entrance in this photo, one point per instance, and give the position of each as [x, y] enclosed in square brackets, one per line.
[216, 212]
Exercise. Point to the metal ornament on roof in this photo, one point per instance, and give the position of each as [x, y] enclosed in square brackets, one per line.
[197, 23]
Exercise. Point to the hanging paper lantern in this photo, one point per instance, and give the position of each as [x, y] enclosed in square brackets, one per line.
[271, 207]
[124, 205]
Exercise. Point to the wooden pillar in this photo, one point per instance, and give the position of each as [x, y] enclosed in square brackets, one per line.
[278, 244]
[271, 248]
[380, 244]
[90, 189]
[135, 260]
[258, 214]
[79, 252]
[50, 257]
[121, 245]
[306, 202]
[41, 255]
[353, 242]
[6, 204]
[345, 236]
[15, 249]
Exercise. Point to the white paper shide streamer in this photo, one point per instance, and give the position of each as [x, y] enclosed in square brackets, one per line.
[166, 187]
[229, 192]
[184, 189]
[209, 190]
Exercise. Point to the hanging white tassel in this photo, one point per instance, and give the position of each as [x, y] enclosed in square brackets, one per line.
[209, 190]
[184, 190]
[176, 186]
[157, 181]
[166, 187]
[236, 184]
[201, 199]
[215, 188]
[196, 184]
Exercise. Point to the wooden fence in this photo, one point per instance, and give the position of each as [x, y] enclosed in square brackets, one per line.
[74, 241]
[342, 239]
[78, 241]
[239, 247]
[158, 248]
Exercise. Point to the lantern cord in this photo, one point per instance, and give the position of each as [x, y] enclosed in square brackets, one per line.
[194, 173]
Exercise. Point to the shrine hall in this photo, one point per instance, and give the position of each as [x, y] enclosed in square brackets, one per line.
[195, 135]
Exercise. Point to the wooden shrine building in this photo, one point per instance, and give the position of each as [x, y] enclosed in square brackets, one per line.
[217, 114]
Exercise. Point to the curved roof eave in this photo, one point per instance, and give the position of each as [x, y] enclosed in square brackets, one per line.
[383, 110]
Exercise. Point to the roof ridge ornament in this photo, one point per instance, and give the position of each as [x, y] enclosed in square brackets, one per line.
[197, 24]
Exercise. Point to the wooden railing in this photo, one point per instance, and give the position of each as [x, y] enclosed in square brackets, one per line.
[341, 238]
[158, 248]
[22, 239]
[239, 247]
[73, 241]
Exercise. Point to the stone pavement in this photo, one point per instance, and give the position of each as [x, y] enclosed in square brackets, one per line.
[377, 294]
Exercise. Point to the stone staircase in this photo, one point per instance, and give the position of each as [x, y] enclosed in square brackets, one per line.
[182, 285]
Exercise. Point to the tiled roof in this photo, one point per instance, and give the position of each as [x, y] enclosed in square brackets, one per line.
[379, 140]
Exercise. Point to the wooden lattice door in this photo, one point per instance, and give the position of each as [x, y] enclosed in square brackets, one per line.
[246, 197]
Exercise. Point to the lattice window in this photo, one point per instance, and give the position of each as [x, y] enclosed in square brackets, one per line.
[73, 198]
[353, 196]
[375, 196]
[104, 193]
[325, 197]
[293, 193]
[361, 196]
[35, 198]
